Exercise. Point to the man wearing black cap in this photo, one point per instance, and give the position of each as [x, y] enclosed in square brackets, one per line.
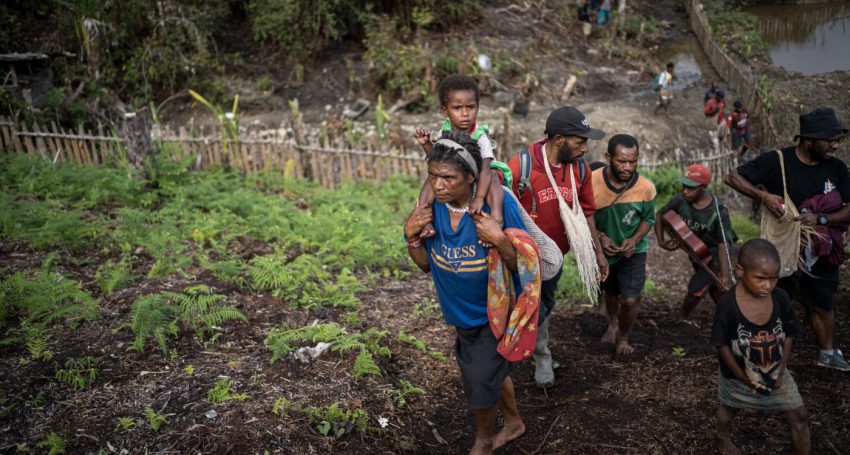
[812, 176]
[567, 133]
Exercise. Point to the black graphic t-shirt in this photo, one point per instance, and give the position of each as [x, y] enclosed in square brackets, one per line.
[757, 348]
[804, 181]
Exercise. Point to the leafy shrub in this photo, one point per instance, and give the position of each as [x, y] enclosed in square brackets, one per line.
[666, 181]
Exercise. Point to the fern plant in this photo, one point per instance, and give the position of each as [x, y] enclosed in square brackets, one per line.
[282, 341]
[54, 444]
[221, 392]
[113, 276]
[155, 420]
[79, 373]
[421, 346]
[400, 396]
[337, 417]
[158, 316]
[32, 303]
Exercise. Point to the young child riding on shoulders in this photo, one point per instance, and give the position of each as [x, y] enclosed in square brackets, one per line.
[708, 219]
[459, 103]
[754, 328]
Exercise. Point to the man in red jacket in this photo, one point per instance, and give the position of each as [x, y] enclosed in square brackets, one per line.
[567, 133]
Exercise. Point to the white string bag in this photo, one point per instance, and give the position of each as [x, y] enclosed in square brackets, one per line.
[578, 233]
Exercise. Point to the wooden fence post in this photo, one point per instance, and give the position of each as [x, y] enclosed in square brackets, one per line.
[136, 135]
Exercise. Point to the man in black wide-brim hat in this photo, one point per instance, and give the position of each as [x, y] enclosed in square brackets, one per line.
[818, 184]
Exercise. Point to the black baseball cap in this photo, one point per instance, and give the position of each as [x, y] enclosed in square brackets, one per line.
[569, 121]
[821, 123]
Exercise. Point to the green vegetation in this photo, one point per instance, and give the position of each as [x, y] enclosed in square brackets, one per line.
[421, 346]
[158, 316]
[79, 373]
[32, 303]
[399, 396]
[281, 341]
[54, 444]
[333, 421]
[126, 424]
[744, 227]
[155, 420]
[733, 29]
[221, 393]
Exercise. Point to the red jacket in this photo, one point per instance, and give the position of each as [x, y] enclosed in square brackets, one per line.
[548, 216]
[714, 108]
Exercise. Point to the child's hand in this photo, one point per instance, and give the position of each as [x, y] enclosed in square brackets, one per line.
[475, 206]
[422, 135]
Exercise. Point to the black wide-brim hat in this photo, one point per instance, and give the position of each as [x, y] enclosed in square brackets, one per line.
[821, 123]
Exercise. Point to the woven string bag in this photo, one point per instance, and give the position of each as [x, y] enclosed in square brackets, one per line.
[783, 232]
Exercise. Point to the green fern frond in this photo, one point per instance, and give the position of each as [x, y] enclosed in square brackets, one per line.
[365, 364]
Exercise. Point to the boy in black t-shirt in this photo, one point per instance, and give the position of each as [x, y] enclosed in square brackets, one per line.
[754, 328]
[708, 218]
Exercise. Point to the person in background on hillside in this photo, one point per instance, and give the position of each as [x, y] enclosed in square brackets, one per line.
[715, 118]
[604, 14]
[754, 330]
[739, 127]
[459, 267]
[625, 213]
[712, 90]
[567, 132]
[459, 99]
[818, 187]
[664, 84]
[585, 16]
[707, 217]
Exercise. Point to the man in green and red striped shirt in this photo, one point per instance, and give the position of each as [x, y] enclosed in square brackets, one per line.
[625, 213]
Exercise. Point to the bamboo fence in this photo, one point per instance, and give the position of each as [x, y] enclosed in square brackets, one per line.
[328, 161]
[736, 76]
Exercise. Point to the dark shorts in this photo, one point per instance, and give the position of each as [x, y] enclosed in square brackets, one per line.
[815, 292]
[483, 369]
[747, 137]
[626, 276]
[547, 296]
[701, 281]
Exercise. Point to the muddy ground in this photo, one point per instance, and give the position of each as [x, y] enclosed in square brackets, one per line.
[652, 402]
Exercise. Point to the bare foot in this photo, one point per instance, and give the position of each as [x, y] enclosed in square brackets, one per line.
[428, 231]
[482, 447]
[610, 334]
[508, 433]
[624, 348]
[725, 446]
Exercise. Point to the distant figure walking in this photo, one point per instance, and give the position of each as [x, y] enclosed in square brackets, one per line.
[739, 126]
[664, 88]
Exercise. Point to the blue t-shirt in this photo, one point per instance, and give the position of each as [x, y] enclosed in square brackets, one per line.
[459, 265]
